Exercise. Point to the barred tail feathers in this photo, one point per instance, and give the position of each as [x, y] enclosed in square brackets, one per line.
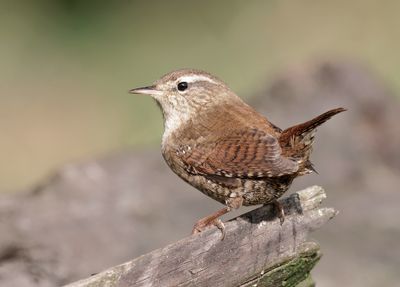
[296, 141]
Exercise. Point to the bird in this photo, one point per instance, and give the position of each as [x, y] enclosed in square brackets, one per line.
[224, 148]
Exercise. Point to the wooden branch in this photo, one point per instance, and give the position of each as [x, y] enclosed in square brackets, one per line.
[257, 251]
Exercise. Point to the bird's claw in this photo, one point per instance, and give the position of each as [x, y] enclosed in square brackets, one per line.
[202, 225]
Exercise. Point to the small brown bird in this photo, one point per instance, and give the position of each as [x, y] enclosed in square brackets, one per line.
[223, 147]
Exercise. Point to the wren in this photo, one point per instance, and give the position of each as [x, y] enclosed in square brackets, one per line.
[220, 145]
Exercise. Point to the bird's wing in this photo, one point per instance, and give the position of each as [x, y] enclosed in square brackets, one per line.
[244, 154]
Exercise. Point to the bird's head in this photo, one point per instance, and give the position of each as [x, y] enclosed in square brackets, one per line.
[186, 93]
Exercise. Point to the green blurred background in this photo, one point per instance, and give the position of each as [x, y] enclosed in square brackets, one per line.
[66, 65]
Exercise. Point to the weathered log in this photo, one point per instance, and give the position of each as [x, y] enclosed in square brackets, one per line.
[257, 251]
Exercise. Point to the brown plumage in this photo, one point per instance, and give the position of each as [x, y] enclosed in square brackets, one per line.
[223, 147]
[296, 141]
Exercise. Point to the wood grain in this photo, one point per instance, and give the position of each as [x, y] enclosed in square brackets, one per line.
[255, 245]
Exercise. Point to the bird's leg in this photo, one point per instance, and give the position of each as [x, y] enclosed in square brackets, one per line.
[210, 220]
[213, 219]
[279, 211]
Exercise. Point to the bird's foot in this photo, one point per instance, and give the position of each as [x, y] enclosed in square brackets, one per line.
[202, 225]
[280, 212]
[211, 220]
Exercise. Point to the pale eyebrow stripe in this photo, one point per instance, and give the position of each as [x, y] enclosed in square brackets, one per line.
[195, 78]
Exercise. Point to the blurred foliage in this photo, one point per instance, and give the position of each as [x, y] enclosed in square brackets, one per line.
[67, 64]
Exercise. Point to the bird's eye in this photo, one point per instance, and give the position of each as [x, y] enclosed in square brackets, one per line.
[182, 86]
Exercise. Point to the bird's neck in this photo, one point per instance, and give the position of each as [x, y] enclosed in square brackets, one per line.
[173, 124]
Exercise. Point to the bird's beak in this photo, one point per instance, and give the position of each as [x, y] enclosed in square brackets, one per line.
[150, 90]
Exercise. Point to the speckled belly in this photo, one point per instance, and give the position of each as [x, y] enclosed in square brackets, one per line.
[253, 191]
